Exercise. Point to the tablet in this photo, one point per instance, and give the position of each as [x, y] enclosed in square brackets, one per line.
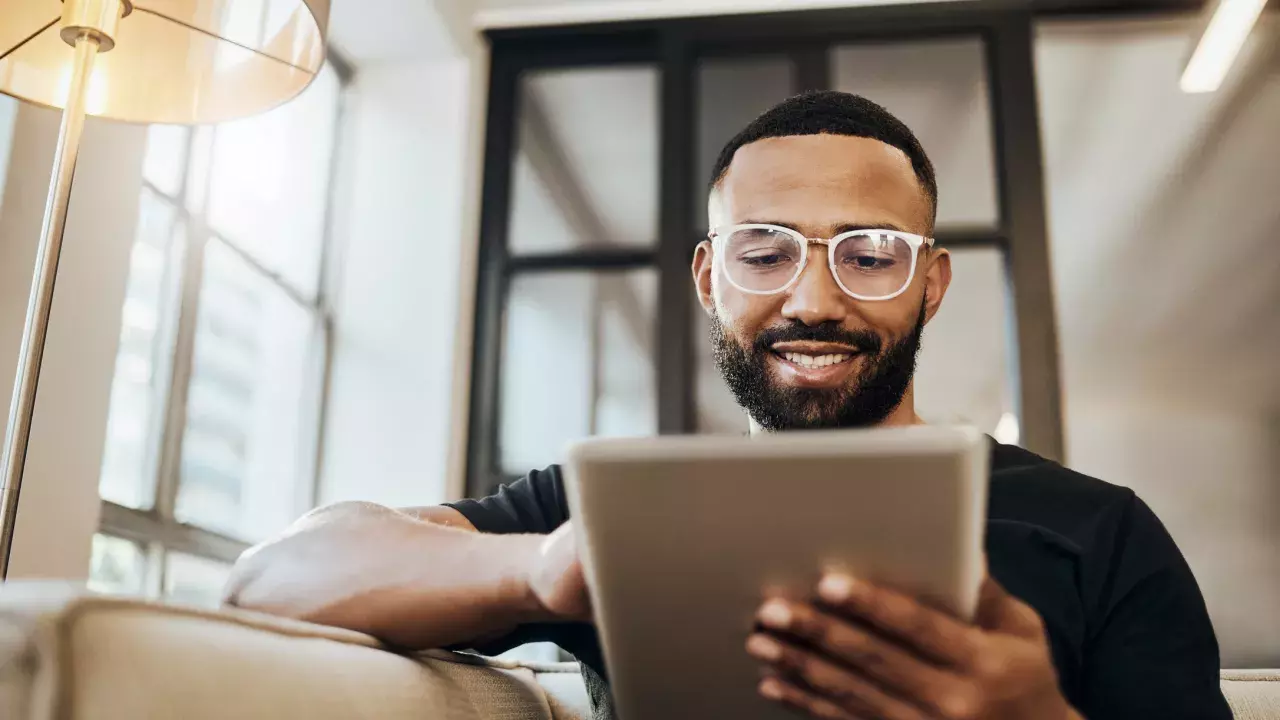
[681, 537]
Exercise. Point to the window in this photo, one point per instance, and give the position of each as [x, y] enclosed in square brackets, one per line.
[118, 566]
[217, 396]
[581, 290]
[8, 113]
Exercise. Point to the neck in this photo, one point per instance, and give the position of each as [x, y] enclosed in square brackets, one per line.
[902, 416]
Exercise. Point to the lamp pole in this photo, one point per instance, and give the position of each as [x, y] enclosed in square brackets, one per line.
[88, 26]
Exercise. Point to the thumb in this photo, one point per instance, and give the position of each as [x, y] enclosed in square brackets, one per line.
[560, 549]
[558, 580]
[998, 611]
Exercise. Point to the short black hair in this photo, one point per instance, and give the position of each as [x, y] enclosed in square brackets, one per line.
[834, 113]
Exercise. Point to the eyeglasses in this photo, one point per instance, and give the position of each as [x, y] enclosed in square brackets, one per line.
[768, 259]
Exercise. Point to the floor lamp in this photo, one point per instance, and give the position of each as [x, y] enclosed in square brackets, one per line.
[144, 61]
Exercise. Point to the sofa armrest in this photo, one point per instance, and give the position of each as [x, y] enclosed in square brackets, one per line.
[69, 655]
[1253, 694]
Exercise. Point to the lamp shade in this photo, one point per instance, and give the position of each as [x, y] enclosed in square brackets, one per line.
[173, 61]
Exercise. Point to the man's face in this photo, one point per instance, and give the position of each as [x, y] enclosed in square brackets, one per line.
[820, 185]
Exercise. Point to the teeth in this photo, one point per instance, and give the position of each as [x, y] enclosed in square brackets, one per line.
[814, 360]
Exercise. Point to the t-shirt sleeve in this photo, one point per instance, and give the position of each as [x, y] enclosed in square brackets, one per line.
[533, 504]
[1152, 650]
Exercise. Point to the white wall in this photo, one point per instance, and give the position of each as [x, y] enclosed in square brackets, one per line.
[407, 228]
[58, 511]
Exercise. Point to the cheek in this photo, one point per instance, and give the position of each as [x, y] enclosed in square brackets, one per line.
[893, 318]
[742, 313]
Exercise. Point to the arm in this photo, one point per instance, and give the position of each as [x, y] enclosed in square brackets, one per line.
[415, 578]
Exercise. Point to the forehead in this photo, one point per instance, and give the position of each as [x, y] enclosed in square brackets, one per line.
[819, 182]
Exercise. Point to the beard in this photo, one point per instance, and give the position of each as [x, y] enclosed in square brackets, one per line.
[872, 394]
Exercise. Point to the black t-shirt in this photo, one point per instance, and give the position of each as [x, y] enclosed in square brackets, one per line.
[1130, 634]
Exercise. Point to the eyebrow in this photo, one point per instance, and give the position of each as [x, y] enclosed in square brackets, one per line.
[838, 229]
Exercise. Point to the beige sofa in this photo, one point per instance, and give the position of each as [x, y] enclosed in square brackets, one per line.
[66, 655]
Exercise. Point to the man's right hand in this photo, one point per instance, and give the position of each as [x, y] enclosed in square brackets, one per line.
[556, 578]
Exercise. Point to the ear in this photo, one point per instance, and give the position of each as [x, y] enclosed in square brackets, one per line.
[703, 265]
[937, 278]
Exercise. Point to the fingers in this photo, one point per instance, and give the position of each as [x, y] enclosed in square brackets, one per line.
[825, 683]
[932, 633]
[852, 662]
[802, 701]
[867, 651]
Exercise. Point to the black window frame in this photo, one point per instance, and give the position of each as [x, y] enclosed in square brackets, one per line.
[675, 47]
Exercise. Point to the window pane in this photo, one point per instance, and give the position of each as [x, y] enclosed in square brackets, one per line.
[117, 566]
[198, 169]
[166, 157]
[965, 372]
[249, 441]
[586, 165]
[731, 93]
[8, 115]
[140, 387]
[939, 89]
[577, 361]
[269, 182]
[194, 581]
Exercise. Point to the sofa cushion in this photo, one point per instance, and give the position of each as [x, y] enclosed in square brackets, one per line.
[65, 655]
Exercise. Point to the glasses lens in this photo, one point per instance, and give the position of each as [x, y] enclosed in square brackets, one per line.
[762, 260]
[873, 265]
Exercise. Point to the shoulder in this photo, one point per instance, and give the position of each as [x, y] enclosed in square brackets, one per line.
[1018, 475]
[1117, 542]
[536, 503]
[1027, 488]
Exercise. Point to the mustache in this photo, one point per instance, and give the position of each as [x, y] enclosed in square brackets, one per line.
[827, 332]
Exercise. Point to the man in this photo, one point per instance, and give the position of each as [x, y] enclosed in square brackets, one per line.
[819, 277]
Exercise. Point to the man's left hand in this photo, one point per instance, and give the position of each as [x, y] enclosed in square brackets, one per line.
[862, 652]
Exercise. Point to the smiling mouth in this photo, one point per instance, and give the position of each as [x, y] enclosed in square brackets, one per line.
[815, 365]
[806, 360]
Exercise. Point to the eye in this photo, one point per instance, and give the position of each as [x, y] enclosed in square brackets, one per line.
[764, 259]
[867, 262]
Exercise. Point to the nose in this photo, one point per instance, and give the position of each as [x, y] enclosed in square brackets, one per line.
[816, 298]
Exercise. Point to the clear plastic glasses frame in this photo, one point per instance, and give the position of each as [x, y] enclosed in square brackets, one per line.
[721, 238]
